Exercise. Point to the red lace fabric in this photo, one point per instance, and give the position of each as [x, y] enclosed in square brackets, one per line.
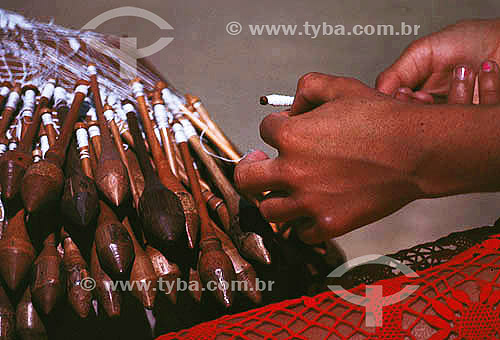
[455, 300]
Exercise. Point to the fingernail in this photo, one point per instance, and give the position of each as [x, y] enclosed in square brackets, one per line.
[487, 66]
[460, 72]
[405, 90]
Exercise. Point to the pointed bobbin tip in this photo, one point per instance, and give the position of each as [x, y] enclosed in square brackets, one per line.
[41, 185]
[252, 246]
[13, 165]
[112, 182]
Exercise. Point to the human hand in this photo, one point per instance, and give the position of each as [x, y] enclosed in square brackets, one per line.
[427, 64]
[348, 162]
[462, 87]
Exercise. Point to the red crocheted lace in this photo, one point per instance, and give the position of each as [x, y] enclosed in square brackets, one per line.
[455, 300]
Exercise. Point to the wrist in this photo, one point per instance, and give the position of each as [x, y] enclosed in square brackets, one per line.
[459, 149]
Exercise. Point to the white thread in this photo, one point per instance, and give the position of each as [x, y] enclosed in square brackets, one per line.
[12, 146]
[92, 70]
[279, 100]
[189, 129]
[28, 103]
[47, 119]
[12, 100]
[220, 157]
[171, 100]
[122, 127]
[109, 115]
[128, 108]
[158, 136]
[60, 95]
[8, 133]
[197, 105]
[84, 153]
[161, 116]
[125, 147]
[19, 129]
[103, 94]
[112, 99]
[138, 89]
[3, 148]
[92, 114]
[94, 131]
[82, 137]
[74, 44]
[44, 145]
[4, 91]
[82, 89]
[70, 97]
[179, 135]
[48, 89]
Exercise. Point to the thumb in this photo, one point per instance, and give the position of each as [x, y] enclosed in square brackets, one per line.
[315, 89]
[411, 69]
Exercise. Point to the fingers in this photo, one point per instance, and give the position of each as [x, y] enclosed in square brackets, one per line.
[489, 83]
[424, 97]
[273, 129]
[257, 173]
[281, 209]
[315, 89]
[462, 85]
[405, 94]
[410, 70]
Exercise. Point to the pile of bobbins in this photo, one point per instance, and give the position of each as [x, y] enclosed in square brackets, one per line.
[98, 189]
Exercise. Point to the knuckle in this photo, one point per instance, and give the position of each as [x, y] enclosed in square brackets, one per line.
[284, 133]
[239, 176]
[309, 79]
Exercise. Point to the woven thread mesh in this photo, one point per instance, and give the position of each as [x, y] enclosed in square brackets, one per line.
[456, 299]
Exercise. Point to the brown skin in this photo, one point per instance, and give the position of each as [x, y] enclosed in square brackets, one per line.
[359, 155]
[428, 62]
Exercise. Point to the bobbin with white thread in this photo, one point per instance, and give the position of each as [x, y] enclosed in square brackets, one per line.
[95, 137]
[13, 144]
[44, 144]
[60, 96]
[157, 134]
[13, 99]
[180, 136]
[29, 99]
[4, 91]
[109, 115]
[163, 119]
[277, 100]
[8, 112]
[48, 89]
[49, 125]
[82, 141]
[37, 154]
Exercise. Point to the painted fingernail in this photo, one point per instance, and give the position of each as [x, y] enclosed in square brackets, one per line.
[487, 66]
[460, 72]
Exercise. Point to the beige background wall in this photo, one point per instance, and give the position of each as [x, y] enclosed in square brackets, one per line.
[231, 72]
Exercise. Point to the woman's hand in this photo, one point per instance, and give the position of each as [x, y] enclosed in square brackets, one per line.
[427, 64]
